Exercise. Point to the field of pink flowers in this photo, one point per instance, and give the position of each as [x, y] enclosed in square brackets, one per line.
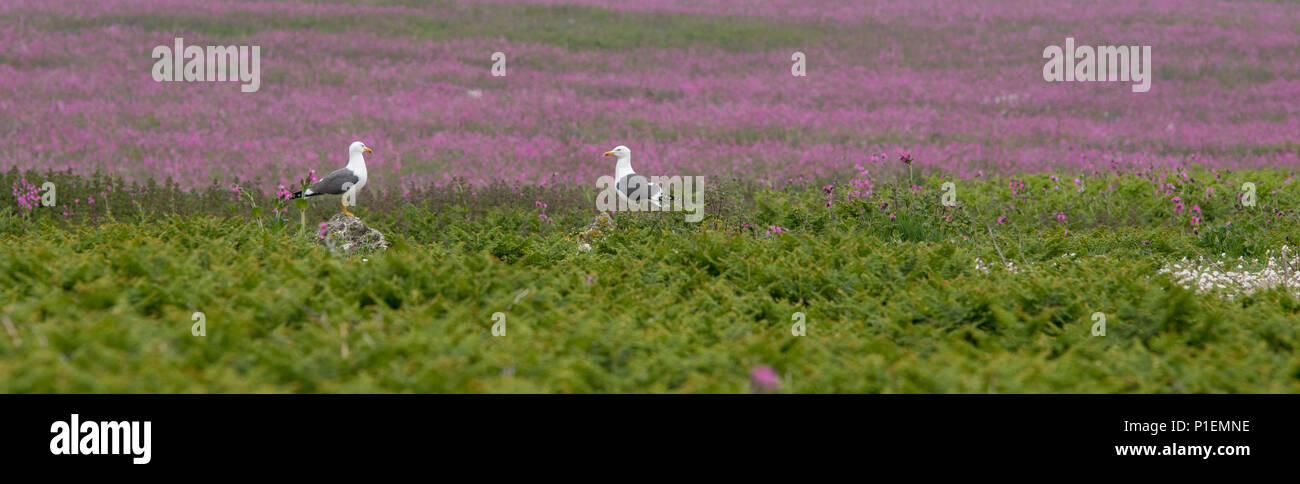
[692, 87]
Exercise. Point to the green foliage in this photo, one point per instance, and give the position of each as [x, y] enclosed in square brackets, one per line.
[104, 304]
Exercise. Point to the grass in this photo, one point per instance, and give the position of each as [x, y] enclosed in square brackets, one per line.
[102, 300]
[570, 26]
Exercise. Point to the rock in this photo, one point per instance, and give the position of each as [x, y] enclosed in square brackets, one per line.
[350, 235]
[598, 229]
[595, 232]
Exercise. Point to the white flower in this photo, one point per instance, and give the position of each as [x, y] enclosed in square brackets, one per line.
[1210, 276]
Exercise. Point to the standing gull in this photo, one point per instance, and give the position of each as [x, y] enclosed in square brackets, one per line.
[633, 187]
[346, 181]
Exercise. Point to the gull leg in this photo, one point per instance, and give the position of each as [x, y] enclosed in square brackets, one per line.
[344, 203]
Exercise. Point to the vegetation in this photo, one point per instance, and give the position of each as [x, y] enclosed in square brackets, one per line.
[911, 297]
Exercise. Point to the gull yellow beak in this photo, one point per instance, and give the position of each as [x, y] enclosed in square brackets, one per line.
[368, 150]
[607, 153]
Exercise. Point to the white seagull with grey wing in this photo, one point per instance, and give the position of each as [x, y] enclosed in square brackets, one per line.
[633, 187]
[345, 182]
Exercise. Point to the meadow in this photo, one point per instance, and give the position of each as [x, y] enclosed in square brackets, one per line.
[825, 199]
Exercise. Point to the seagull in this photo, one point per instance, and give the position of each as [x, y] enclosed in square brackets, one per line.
[633, 187]
[346, 181]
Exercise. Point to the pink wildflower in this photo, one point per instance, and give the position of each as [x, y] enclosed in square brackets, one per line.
[763, 379]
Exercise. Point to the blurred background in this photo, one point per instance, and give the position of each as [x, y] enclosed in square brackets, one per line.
[693, 87]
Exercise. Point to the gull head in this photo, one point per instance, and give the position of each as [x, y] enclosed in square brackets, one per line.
[619, 152]
[358, 148]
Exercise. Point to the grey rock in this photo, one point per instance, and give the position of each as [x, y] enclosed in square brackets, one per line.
[351, 236]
